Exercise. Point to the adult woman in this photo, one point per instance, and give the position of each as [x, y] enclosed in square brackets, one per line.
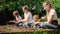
[51, 16]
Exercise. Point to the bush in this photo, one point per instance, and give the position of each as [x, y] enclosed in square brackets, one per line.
[8, 6]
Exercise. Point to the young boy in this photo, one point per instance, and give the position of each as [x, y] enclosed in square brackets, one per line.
[36, 21]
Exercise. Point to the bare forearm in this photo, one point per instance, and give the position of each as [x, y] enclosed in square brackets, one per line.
[50, 19]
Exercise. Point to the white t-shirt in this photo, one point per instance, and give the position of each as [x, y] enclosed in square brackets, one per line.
[28, 15]
[52, 12]
[18, 18]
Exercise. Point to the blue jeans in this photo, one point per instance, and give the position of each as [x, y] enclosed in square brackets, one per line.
[47, 25]
[31, 23]
[21, 24]
[36, 26]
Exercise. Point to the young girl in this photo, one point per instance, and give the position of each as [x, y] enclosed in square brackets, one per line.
[51, 16]
[17, 16]
[27, 16]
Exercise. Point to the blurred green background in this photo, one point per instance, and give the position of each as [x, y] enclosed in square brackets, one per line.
[8, 6]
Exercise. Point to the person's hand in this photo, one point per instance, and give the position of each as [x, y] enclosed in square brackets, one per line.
[11, 21]
[18, 21]
[34, 24]
[42, 17]
[37, 23]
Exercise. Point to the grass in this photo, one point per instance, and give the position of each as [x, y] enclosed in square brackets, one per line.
[36, 32]
[47, 32]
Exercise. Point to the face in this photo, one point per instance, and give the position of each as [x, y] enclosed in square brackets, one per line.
[24, 10]
[35, 18]
[46, 7]
[14, 15]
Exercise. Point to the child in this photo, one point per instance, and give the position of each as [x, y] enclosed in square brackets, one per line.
[17, 16]
[36, 21]
[27, 16]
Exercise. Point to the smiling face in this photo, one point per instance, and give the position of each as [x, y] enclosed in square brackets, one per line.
[47, 6]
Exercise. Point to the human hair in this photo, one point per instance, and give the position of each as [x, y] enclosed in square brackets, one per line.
[25, 8]
[36, 15]
[16, 12]
[47, 3]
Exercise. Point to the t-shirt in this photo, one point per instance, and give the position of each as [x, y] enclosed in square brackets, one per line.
[28, 15]
[18, 18]
[52, 12]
